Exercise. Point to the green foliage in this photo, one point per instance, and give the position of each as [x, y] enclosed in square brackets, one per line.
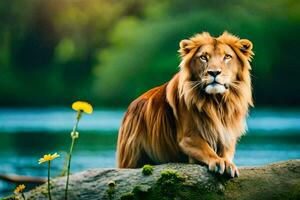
[167, 187]
[155, 41]
[147, 170]
[110, 192]
[65, 50]
[111, 189]
[294, 193]
[169, 184]
[112, 51]
[141, 191]
[128, 196]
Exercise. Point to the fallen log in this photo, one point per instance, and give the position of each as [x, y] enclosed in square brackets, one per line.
[13, 178]
[179, 181]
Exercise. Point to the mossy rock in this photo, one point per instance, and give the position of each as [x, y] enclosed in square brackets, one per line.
[278, 181]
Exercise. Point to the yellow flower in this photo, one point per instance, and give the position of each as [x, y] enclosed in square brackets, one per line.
[19, 189]
[82, 107]
[48, 157]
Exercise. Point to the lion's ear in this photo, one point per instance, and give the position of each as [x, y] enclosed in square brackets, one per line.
[245, 47]
[185, 47]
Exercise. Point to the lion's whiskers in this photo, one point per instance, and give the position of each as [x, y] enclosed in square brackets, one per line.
[195, 84]
[235, 85]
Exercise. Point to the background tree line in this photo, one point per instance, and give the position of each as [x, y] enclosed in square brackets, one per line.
[110, 51]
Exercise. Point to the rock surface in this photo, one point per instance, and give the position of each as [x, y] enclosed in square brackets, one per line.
[179, 181]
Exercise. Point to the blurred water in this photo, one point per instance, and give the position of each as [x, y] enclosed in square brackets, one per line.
[27, 134]
[55, 119]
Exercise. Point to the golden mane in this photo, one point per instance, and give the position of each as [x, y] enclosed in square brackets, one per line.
[156, 123]
[225, 112]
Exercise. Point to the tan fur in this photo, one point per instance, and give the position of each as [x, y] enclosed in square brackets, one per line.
[179, 122]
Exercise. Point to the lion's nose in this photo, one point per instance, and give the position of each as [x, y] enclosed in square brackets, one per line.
[214, 73]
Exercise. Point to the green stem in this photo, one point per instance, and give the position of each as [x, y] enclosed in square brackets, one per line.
[49, 193]
[77, 120]
[70, 153]
[23, 196]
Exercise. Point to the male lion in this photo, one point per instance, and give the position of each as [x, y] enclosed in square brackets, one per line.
[197, 116]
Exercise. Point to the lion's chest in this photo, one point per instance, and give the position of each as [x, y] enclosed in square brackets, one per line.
[219, 132]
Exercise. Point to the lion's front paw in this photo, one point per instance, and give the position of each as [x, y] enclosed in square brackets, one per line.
[231, 169]
[217, 165]
[223, 166]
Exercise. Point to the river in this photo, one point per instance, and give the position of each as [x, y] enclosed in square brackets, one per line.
[27, 134]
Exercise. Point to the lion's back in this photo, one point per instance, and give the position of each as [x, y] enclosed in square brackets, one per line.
[148, 131]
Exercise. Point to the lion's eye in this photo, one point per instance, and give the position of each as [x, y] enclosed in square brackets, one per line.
[203, 58]
[227, 57]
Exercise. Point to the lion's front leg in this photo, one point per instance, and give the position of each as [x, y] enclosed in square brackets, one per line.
[228, 154]
[197, 148]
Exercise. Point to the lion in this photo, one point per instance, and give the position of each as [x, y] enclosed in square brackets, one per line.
[199, 115]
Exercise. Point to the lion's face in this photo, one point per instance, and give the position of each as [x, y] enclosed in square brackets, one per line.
[218, 66]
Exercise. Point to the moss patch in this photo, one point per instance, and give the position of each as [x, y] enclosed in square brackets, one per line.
[169, 185]
[294, 193]
[128, 196]
[110, 192]
[147, 170]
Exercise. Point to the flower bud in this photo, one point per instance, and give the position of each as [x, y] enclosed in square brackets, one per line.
[74, 134]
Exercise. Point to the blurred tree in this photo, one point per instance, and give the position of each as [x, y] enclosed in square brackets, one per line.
[49, 46]
[108, 51]
[143, 51]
